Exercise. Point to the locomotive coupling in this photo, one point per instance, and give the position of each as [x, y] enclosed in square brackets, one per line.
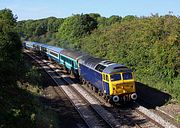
[134, 96]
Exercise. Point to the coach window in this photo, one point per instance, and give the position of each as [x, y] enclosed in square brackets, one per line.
[55, 54]
[44, 49]
[62, 57]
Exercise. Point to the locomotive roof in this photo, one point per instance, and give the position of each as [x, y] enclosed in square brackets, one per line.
[113, 68]
[72, 54]
[90, 61]
[110, 67]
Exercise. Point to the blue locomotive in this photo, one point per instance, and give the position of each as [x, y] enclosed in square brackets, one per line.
[113, 81]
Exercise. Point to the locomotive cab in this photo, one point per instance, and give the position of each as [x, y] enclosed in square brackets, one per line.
[121, 83]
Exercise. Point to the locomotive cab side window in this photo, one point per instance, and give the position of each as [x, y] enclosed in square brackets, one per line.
[107, 79]
[104, 77]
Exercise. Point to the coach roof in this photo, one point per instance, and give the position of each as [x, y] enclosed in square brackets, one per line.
[72, 54]
[35, 43]
[38, 44]
[55, 49]
[52, 48]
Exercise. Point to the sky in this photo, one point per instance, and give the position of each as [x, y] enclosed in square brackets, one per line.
[37, 9]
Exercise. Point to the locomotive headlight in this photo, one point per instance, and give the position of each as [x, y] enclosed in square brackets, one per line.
[134, 96]
[115, 99]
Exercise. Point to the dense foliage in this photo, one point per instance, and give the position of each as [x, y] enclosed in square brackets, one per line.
[19, 107]
[33, 29]
[10, 48]
[150, 45]
[77, 26]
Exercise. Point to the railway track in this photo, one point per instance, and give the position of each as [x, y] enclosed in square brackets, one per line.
[156, 113]
[89, 107]
[63, 106]
[136, 114]
[128, 115]
[92, 113]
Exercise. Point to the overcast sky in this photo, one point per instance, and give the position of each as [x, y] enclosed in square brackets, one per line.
[36, 9]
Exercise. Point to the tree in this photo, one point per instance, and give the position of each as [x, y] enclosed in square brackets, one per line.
[10, 47]
[113, 19]
[77, 26]
[129, 18]
[53, 24]
[40, 28]
[94, 15]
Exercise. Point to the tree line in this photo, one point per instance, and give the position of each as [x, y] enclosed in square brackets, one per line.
[150, 45]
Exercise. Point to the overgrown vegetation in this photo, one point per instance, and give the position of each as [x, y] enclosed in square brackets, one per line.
[22, 107]
[178, 118]
[19, 99]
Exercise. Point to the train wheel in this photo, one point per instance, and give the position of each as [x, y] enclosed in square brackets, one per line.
[89, 85]
[80, 80]
[83, 81]
[99, 93]
[108, 100]
[72, 72]
[94, 88]
[67, 70]
[104, 95]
